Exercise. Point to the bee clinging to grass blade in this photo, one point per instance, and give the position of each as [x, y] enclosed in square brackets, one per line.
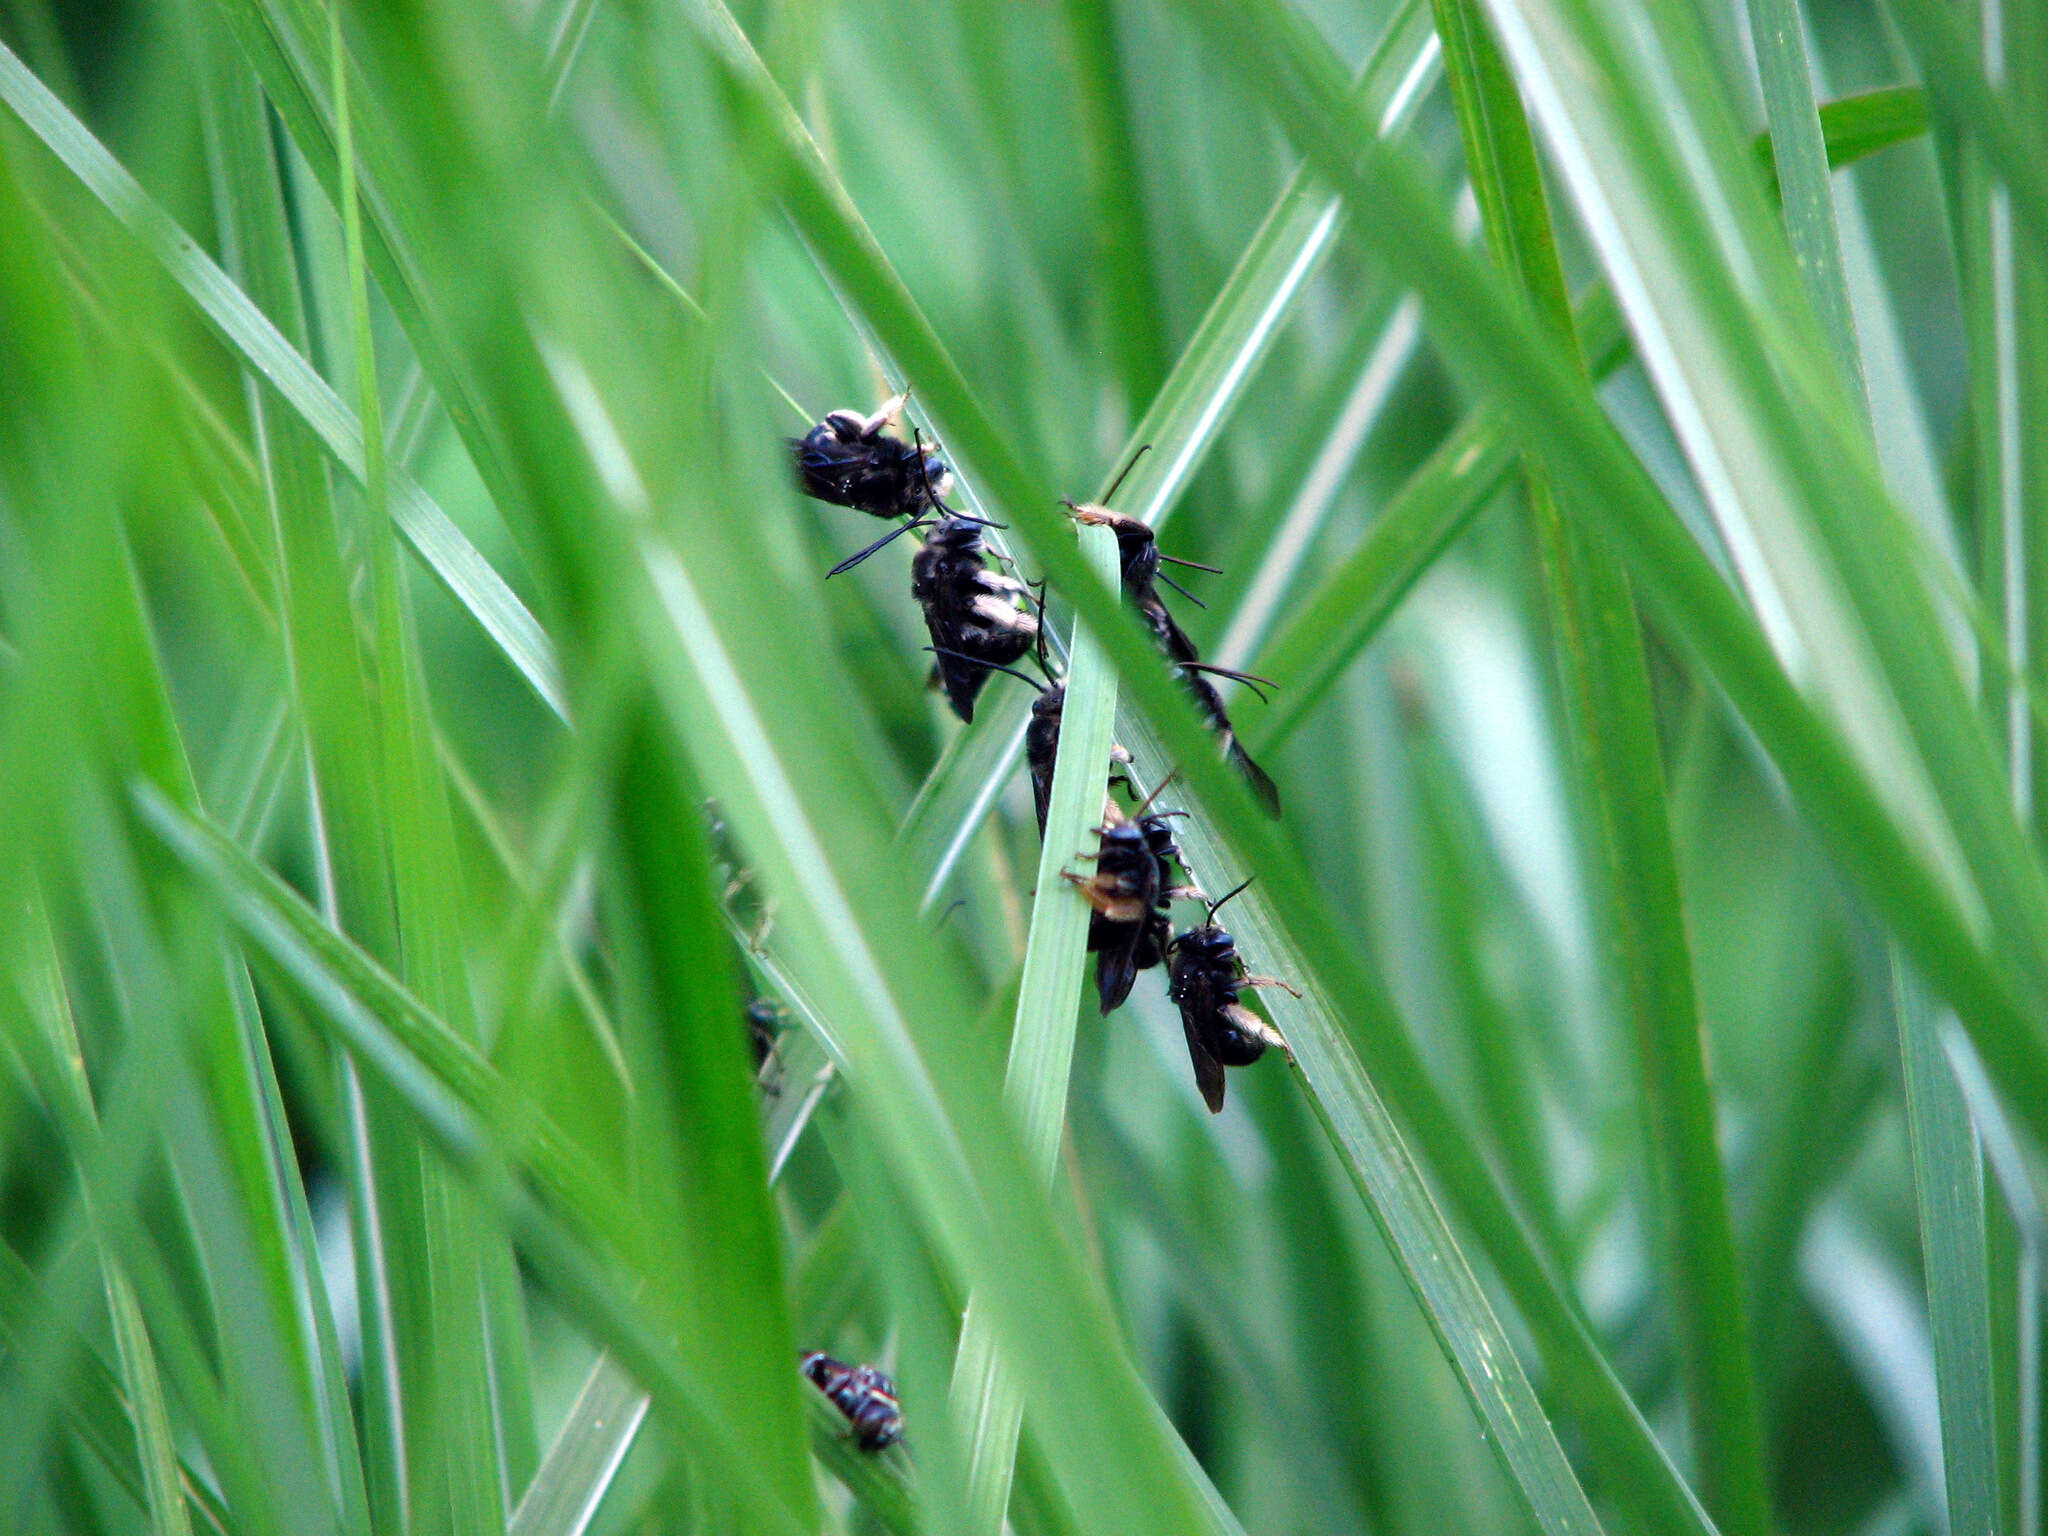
[848, 460]
[979, 618]
[865, 1395]
[1204, 979]
[1129, 930]
[1139, 558]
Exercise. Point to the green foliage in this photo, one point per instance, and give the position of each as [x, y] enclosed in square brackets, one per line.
[424, 724]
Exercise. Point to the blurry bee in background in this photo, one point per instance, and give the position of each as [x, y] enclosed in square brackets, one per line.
[978, 618]
[849, 461]
[1204, 980]
[865, 1395]
[765, 1023]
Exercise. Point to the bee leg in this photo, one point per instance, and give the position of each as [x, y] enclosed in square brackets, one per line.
[1274, 981]
[1184, 893]
[757, 941]
[885, 413]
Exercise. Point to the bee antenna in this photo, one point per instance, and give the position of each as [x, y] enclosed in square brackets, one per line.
[1251, 680]
[1217, 905]
[957, 903]
[852, 560]
[993, 666]
[1116, 484]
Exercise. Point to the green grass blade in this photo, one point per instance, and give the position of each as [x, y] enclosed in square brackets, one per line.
[1615, 750]
[1555, 413]
[1315, 645]
[1949, 1182]
[452, 558]
[985, 1399]
[584, 1456]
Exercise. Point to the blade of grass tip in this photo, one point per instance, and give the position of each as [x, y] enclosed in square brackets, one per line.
[986, 1400]
[468, 576]
[1611, 721]
[1949, 1191]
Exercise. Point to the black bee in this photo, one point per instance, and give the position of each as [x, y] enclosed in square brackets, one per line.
[1210, 703]
[1139, 558]
[865, 1395]
[1205, 978]
[1042, 745]
[849, 461]
[979, 618]
[1131, 891]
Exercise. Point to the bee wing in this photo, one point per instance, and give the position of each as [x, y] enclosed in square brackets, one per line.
[1208, 1070]
[1116, 967]
[1263, 789]
[960, 678]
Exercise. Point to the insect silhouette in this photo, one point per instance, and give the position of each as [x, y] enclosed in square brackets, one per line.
[1139, 559]
[1042, 735]
[865, 1395]
[1129, 930]
[1204, 979]
[978, 618]
[765, 1021]
[848, 460]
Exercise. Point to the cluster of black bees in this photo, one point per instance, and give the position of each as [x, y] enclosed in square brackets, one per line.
[982, 620]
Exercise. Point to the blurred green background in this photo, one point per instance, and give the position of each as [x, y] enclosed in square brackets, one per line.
[1622, 428]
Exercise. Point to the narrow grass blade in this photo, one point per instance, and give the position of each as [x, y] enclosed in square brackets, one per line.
[1949, 1181]
[985, 1397]
[577, 1472]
